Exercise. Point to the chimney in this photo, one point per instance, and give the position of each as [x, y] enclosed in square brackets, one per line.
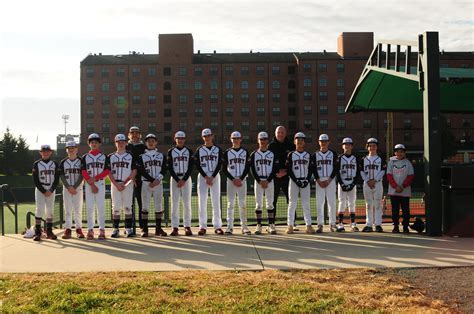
[355, 44]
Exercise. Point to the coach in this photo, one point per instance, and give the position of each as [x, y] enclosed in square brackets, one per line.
[281, 146]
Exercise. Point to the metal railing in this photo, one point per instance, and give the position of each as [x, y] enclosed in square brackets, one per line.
[4, 204]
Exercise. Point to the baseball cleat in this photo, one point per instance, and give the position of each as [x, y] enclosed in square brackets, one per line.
[202, 231]
[219, 231]
[67, 234]
[187, 231]
[229, 230]
[272, 229]
[406, 229]
[129, 232]
[80, 234]
[378, 229]
[333, 228]
[310, 230]
[354, 227]
[160, 232]
[37, 236]
[396, 229]
[101, 234]
[245, 230]
[290, 230]
[175, 232]
[296, 228]
[115, 233]
[340, 228]
[144, 234]
[90, 235]
[319, 229]
[367, 229]
[258, 230]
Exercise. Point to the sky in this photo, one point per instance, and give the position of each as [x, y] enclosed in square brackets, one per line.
[43, 42]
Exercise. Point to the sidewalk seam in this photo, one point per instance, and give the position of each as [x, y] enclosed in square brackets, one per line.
[258, 254]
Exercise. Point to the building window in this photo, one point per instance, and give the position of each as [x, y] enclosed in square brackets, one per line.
[244, 111]
[244, 97]
[182, 71]
[120, 127]
[198, 99]
[198, 112]
[341, 124]
[275, 70]
[307, 109]
[229, 111]
[229, 85]
[307, 67]
[104, 73]
[120, 72]
[136, 100]
[167, 85]
[291, 84]
[151, 86]
[120, 113]
[213, 71]
[276, 97]
[323, 95]
[276, 111]
[105, 127]
[291, 97]
[229, 98]
[197, 85]
[407, 123]
[167, 99]
[214, 124]
[323, 82]
[323, 67]
[466, 123]
[244, 71]
[245, 125]
[106, 140]
[448, 122]
[407, 137]
[229, 70]
[367, 123]
[307, 95]
[152, 127]
[135, 113]
[151, 113]
[213, 98]
[183, 99]
[291, 69]
[341, 109]
[213, 85]
[183, 112]
[90, 72]
[260, 125]
[229, 125]
[260, 111]
[385, 123]
[90, 114]
[105, 100]
[341, 95]
[308, 124]
[340, 67]
[260, 97]
[183, 85]
[90, 127]
[90, 87]
[197, 71]
[260, 84]
[152, 99]
[120, 87]
[120, 101]
[244, 84]
[89, 100]
[340, 82]
[260, 70]
[323, 123]
[135, 86]
[197, 126]
[167, 71]
[214, 111]
[136, 72]
[292, 111]
[183, 125]
[151, 71]
[307, 82]
[167, 112]
[323, 109]
[276, 84]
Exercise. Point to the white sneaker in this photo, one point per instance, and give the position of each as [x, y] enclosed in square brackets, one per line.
[258, 230]
[129, 232]
[340, 228]
[290, 230]
[319, 229]
[245, 230]
[354, 227]
[229, 230]
[272, 229]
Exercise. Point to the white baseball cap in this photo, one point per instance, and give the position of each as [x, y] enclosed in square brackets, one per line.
[120, 137]
[236, 134]
[300, 135]
[324, 137]
[347, 140]
[180, 134]
[71, 144]
[372, 140]
[150, 135]
[206, 132]
[134, 129]
[262, 135]
[45, 147]
[94, 136]
[399, 147]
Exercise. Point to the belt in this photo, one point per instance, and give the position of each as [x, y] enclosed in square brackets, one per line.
[263, 177]
[301, 178]
[180, 174]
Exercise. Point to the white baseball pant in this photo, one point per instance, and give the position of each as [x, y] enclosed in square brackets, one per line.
[293, 192]
[44, 204]
[373, 204]
[147, 193]
[347, 199]
[73, 203]
[322, 194]
[241, 193]
[97, 199]
[260, 192]
[183, 193]
[122, 200]
[215, 190]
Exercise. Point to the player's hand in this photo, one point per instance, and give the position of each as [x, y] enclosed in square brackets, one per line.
[181, 183]
[209, 180]
[91, 181]
[371, 183]
[237, 182]
[156, 182]
[120, 187]
[72, 190]
[281, 173]
[94, 188]
[48, 193]
[399, 189]
[264, 184]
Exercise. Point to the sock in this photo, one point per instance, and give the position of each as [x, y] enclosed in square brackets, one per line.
[258, 213]
[341, 218]
[353, 217]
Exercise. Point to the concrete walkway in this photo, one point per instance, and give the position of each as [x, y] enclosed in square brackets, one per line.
[212, 252]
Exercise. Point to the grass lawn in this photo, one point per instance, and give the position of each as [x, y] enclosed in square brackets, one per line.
[200, 291]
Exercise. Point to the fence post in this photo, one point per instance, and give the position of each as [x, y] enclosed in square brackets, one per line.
[2, 215]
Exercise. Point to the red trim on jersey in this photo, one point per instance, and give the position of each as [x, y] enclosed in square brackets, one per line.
[408, 180]
[391, 180]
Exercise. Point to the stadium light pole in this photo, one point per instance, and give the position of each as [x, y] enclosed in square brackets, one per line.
[65, 117]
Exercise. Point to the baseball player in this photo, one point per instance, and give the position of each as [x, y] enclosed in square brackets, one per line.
[325, 170]
[94, 171]
[123, 169]
[372, 172]
[46, 179]
[347, 177]
[152, 165]
[136, 147]
[208, 159]
[263, 166]
[70, 170]
[180, 164]
[236, 167]
[299, 166]
[400, 175]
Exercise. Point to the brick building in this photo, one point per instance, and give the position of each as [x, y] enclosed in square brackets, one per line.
[178, 89]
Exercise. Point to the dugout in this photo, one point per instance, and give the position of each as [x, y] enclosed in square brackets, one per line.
[406, 76]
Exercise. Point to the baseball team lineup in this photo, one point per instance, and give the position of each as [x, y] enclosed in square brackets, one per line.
[136, 170]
